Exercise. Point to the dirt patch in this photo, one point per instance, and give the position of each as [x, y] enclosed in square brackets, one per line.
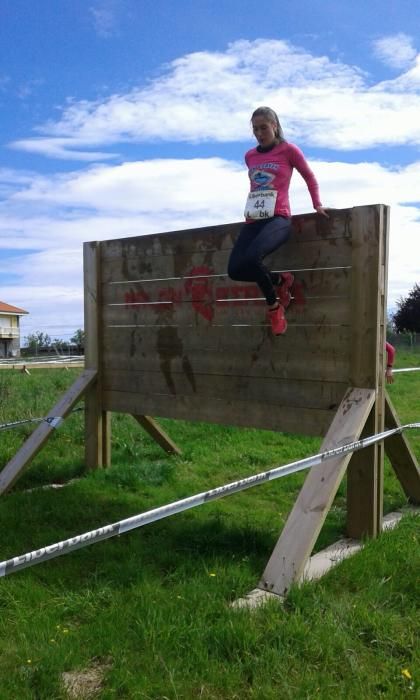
[86, 684]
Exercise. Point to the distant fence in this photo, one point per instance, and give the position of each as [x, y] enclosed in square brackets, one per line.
[409, 341]
[43, 363]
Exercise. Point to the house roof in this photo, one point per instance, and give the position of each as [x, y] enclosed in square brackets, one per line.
[8, 309]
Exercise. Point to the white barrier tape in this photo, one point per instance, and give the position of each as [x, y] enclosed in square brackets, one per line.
[14, 424]
[406, 369]
[54, 421]
[14, 564]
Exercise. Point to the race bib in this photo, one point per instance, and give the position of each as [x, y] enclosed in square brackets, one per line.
[260, 204]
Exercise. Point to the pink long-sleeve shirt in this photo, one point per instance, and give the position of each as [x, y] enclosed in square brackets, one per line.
[273, 170]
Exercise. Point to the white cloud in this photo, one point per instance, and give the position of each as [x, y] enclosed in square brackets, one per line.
[146, 188]
[208, 96]
[55, 310]
[52, 217]
[104, 14]
[60, 148]
[396, 51]
[200, 97]
[405, 85]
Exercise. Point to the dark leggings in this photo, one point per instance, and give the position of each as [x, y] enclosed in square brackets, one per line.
[254, 243]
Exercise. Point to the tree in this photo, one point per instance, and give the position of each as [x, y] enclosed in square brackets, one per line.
[78, 338]
[37, 340]
[407, 316]
[58, 344]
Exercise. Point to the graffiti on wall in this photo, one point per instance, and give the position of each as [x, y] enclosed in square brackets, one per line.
[201, 288]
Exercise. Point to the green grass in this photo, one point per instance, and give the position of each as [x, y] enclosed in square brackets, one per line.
[153, 606]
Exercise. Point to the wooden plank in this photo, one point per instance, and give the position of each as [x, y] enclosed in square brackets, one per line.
[306, 227]
[382, 359]
[40, 435]
[298, 355]
[367, 280]
[318, 311]
[91, 303]
[369, 258]
[97, 424]
[184, 242]
[106, 438]
[302, 528]
[363, 488]
[276, 391]
[222, 411]
[158, 434]
[335, 252]
[401, 456]
[309, 284]
[328, 366]
[237, 340]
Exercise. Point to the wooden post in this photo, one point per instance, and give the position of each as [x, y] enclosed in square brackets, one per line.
[363, 483]
[368, 301]
[303, 526]
[382, 319]
[97, 421]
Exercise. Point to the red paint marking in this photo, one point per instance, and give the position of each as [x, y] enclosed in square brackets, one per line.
[136, 296]
[298, 294]
[203, 295]
[222, 293]
[170, 295]
[200, 291]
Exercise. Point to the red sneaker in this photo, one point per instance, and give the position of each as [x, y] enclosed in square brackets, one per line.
[285, 284]
[277, 320]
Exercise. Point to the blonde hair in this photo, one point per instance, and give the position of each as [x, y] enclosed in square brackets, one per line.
[271, 116]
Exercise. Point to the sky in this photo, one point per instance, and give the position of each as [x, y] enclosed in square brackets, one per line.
[127, 117]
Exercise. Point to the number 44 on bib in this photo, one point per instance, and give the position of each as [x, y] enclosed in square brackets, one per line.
[260, 204]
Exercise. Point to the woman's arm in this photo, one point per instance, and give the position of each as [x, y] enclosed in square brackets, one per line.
[390, 356]
[298, 161]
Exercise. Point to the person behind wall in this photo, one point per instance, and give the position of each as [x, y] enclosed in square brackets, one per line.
[268, 222]
[390, 356]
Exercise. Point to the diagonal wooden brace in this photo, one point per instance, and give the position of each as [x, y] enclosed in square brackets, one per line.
[401, 456]
[305, 521]
[158, 434]
[40, 435]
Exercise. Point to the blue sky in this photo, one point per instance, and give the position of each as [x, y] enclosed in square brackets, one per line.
[124, 117]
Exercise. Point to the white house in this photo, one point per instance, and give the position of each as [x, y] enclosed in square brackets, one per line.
[10, 330]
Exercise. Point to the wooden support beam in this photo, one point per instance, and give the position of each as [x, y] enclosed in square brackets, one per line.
[363, 488]
[106, 438]
[158, 434]
[40, 435]
[367, 369]
[302, 528]
[401, 456]
[97, 420]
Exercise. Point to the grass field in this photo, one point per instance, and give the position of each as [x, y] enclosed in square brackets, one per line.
[148, 615]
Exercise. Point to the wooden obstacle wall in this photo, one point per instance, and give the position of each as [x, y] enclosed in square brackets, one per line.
[175, 337]
[169, 334]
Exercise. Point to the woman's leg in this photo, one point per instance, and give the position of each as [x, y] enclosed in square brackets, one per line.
[254, 243]
[238, 260]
